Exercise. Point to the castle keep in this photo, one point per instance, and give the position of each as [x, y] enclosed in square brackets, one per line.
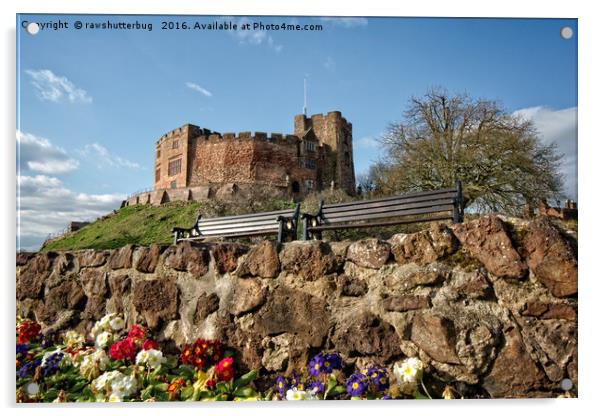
[193, 163]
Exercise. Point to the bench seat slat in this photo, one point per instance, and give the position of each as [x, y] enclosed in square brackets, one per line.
[217, 221]
[400, 198]
[388, 202]
[239, 229]
[271, 214]
[229, 235]
[351, 210]
[381, 223]
[272, 221]
[389, 214]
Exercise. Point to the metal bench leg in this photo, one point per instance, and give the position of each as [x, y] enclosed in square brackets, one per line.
[280, 231]
[305, 230]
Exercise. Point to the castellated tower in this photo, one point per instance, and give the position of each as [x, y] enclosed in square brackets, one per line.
[193, 163]
[334, 133]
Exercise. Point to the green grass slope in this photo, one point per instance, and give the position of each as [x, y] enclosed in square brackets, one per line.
[139, 224]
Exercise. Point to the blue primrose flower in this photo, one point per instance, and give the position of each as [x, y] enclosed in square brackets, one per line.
[51, 365]
[49, 339]
[316, 388]
[29, 368]
[356, 385]
[295, 382]
[378, 377]
[21, 349]
[332, 362]
[316, 365]
[281, 385]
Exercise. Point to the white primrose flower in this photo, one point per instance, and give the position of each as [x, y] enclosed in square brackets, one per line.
[409, 371]
[103, 340]
[294, 394]
[124, 386]
[114, 398]
[117, 323]
[150, 358]
[93, 364]
[104, 324]
[106, 379]
[73, 339]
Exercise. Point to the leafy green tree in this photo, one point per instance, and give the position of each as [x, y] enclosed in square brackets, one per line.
[442, 138]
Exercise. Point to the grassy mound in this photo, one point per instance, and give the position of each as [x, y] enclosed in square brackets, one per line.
[139, 224]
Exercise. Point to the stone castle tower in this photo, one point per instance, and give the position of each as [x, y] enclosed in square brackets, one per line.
[335, 135]
[193, 163]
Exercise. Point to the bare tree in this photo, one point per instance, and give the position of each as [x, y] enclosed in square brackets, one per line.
[497, 156]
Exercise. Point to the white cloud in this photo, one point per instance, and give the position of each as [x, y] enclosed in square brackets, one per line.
[55, 88]
[330, 64]
[560, 127]
[104, 158]
[198, 88]
[252, 37]
[38, 154]
[46, 206]
[366, 143]
[346, 22]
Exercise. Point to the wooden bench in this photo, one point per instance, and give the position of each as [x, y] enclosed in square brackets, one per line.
[281, 223]
[401, 209]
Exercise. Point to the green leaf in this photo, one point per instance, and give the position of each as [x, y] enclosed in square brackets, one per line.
[222, 387]
[161, 386]
[172, 362]
[244, 392]
[186, 392]
[162, 396]
[420, 396]
[51, 394]
[245, 379]
[186, 371]
[336, 390]
[147, 393]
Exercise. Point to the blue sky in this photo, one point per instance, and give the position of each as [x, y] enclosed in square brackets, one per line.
[91, 103]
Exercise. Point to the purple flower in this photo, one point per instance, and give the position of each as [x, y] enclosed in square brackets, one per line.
[378, 377]
[29, 368]
[21, 349]
[49, 339]
[356, 385]
[332, 362]
[316, 365]
[281, 385]
[293, 381]
[316, 387]
[51, 365]
[386, 397]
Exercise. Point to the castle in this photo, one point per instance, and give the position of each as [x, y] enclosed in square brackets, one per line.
[193, 163]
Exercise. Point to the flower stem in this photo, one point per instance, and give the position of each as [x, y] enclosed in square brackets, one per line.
[425, 390]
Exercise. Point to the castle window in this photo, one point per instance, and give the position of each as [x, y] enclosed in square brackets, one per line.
[310, 164]
[175, 167]
[158, 153]
[310, 146]
[175, 144]
[173, 184]
[157, 174]
[309, 184]
[347, 159]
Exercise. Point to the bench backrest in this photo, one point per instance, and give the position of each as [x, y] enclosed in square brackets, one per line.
[240, 224]
[417, 203]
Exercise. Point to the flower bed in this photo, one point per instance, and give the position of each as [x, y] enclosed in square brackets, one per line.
[117, 364]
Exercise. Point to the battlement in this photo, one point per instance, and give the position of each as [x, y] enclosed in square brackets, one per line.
[192, 130]
[276, 138]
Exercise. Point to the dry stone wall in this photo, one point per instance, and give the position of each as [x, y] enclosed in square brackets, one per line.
[490, 305]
